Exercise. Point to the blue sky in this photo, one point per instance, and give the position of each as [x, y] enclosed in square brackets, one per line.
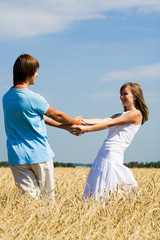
[87, 50]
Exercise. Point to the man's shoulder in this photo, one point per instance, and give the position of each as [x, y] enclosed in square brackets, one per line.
[6, 95]
[36, 98]
[33, 94]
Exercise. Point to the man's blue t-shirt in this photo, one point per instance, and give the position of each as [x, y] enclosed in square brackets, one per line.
[27, 140]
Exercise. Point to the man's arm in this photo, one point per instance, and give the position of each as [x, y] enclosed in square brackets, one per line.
[62, 117]
[49, 121]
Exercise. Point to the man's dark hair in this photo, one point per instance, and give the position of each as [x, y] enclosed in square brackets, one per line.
[25, 66]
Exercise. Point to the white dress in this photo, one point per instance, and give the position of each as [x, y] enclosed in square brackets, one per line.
[108, 170]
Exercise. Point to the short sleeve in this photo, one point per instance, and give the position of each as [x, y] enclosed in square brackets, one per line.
[39, 104]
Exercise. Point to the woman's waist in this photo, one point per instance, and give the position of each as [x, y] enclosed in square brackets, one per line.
[111, 154]
[113, 145]
[116, 148]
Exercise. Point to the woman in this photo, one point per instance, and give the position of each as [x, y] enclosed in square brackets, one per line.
[108, 170]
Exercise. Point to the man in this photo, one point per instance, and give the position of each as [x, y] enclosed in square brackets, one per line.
[25, 115]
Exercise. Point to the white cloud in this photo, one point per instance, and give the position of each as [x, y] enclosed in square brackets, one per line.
[21, 18]
[144, 72]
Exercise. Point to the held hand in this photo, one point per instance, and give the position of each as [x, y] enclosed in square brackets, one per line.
[80, 120]
[77, 130]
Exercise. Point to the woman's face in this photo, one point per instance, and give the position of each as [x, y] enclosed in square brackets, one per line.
[127, 97]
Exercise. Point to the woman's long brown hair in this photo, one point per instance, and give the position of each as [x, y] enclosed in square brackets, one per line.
[139, 102]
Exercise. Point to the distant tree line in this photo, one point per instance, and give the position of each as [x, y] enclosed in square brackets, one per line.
[130, 165]
[61, 164]
[83, 164]
[56, 164]
[143, 165]
[72, 165]
[4, 164]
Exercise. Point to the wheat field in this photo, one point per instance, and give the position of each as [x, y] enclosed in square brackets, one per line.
[123, 217]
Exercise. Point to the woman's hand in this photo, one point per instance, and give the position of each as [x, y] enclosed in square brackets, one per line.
[77, 130]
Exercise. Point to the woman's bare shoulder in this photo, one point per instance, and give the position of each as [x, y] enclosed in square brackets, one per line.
[137, 116]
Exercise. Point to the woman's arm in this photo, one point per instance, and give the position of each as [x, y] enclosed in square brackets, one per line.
[99, 120]
[134, 117]
[96, 120]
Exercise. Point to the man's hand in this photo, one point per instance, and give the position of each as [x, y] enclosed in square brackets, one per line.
[76, 130]
[80, 120]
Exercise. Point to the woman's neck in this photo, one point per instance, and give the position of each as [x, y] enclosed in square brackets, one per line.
[130, 108]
